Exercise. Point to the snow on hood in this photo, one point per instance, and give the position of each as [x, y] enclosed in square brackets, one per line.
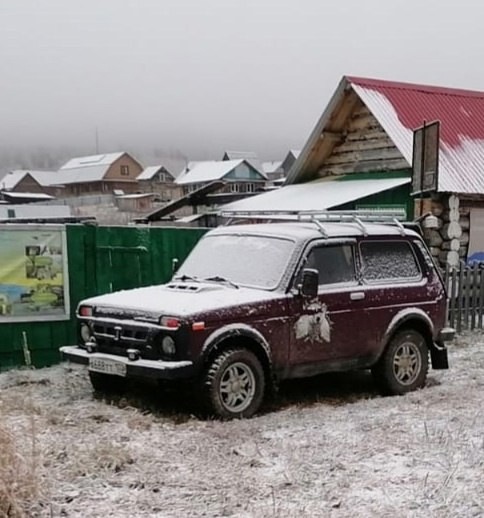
[180, 299]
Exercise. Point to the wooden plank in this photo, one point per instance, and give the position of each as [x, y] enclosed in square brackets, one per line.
[474, 291]
[467, 295]
[460, 299]
[481, 295]
[453, 295]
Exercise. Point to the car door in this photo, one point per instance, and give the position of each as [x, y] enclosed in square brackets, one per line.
[327, 328]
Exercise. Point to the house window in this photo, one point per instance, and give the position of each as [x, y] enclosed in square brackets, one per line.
[234, 187]
[10, 213]
[161, 177]
[250, 187]
[124, 170]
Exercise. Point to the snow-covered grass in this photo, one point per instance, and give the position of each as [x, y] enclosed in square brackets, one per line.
[327, 447]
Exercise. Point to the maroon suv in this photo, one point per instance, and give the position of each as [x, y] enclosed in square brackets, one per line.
[256, 304]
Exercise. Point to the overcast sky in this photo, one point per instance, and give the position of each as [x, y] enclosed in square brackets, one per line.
[208, 75]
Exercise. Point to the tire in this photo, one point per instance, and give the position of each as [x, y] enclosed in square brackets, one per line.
[234, 384]
[404, 365]
[106, 383]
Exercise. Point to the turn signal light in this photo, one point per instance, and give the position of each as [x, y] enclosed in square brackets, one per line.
[198, 326]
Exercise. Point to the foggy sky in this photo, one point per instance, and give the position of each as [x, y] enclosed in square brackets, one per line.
[207, 75]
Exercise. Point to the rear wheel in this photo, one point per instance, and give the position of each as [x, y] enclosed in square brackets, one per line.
[234, 384]
[404, 364]
[107, 383]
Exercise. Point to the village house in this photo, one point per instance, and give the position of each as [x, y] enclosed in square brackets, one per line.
[31, 184]
[100, 174]
[158, 179]
[359, 156]
[239, 177]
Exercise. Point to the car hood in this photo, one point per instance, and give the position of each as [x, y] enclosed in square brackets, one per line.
[180, 299]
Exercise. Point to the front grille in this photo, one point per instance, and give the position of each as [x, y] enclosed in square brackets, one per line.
[117, 337]
[120, 333]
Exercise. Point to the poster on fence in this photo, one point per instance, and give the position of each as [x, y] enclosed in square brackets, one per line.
[33, 273]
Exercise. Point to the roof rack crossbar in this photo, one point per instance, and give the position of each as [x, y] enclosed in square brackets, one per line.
[358, 221]
[400, 226]
[320, 227]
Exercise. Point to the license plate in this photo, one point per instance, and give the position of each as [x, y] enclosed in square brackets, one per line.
[107, 366]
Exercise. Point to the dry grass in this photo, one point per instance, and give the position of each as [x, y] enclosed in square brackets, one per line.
[19, 479]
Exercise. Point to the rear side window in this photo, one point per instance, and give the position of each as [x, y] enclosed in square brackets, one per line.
[388, 260]
[335, 264]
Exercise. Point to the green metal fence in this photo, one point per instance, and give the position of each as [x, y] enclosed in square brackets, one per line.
[101, 260]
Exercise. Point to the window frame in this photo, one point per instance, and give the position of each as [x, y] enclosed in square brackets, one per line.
[352, 242]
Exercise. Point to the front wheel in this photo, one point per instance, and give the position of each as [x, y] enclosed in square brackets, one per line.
[404, 365]
[234, 384]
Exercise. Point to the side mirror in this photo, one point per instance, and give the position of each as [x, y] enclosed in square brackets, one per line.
[310, 283]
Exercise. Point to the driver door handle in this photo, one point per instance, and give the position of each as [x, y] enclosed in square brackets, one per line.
[357, 295]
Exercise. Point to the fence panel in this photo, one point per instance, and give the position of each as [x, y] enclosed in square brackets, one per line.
[465, 288]
[100, 260]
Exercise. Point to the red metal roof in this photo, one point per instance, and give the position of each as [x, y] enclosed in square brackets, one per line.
[402, 107]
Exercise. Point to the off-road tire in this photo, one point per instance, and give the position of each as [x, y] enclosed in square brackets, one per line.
[234, 384]
[106, 383]
[404, 365]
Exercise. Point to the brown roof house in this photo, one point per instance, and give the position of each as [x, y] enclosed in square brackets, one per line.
[100, 174]
[31, 184]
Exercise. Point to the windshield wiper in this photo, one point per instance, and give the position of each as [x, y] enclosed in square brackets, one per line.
[184, 278]
[217, 278]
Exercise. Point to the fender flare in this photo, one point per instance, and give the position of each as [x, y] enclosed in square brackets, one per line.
[231, 330]
[403, 316]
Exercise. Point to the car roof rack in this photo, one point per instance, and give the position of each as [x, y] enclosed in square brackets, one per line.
[318, 217]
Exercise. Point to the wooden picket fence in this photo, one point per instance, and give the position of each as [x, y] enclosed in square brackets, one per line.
[465, 285]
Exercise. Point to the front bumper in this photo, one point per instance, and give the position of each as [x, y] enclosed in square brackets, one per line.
[154, 369]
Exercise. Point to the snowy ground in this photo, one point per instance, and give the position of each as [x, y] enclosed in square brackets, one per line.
[328, 447]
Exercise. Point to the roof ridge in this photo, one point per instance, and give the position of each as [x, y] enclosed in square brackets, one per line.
[402, 85]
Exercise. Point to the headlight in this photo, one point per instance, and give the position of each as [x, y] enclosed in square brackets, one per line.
[168, 346]
[85, 333]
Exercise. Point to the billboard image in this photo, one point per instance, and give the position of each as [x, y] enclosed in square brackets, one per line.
[33, 273]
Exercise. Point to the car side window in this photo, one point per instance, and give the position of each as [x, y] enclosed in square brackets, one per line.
[335, 263]
[388, 260]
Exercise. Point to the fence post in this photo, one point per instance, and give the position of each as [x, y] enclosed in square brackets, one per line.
[460, 297]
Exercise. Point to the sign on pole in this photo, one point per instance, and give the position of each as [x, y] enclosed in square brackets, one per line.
[425, 160]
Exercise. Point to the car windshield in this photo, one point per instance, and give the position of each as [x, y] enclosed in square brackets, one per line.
[257, 261]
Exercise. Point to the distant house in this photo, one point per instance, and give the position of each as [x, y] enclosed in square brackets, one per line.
[273, 170]
[239, 177]
[248, 156]
[289, 160]
[31, 182]
[100, 174]
[276, 171]
[159, 179]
